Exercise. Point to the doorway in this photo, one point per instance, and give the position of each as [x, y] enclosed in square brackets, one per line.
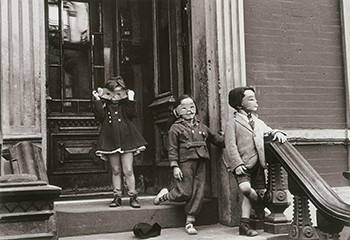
[88, 42]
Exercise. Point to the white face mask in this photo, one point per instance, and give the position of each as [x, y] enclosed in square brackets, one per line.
[119, 93]
[249, 102]
[187, 109]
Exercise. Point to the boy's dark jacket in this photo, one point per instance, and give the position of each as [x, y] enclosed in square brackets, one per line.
[190, 142]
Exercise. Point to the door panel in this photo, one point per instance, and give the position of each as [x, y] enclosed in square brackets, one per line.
[75, 154]
[172, 77]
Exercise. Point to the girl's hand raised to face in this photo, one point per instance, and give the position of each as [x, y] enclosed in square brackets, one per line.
[131, 95]
[96, 95]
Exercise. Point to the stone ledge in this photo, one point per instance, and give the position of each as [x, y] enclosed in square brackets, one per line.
[27, 210]
[38, 236]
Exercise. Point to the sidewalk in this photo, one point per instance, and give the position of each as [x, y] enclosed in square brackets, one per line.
[207, 232]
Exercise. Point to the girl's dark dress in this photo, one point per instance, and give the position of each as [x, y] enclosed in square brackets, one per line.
[118, 133]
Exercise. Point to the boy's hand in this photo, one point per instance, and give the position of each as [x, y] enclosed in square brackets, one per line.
[96, 95]
[131, 95]
[177, 173]
[280, 137]
[240, 170]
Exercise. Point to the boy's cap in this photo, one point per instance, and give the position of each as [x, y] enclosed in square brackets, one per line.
[236, 95]
[144, 230]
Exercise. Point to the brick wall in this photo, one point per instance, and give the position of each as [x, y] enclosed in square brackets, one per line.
[294, 58]
[328, 160]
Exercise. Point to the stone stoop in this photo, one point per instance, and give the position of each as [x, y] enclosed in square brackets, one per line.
[92, 219]
[86, 217]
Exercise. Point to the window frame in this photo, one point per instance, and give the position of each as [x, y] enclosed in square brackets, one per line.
[96, 70]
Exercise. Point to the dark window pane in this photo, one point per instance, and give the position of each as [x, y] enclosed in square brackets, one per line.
[163, 46]
[55, 107]
[85, 107]
[99, 77]
[98, 50]
[96, 21]
[54, 48]
[54, 88]
[76, 70]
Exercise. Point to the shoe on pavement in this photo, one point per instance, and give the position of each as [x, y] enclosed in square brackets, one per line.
[134, 202]
[190, 229]
[116, 202]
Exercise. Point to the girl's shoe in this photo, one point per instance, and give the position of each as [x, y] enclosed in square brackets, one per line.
[160, 196]
[134, 202]
[116, 202]
[190, 229]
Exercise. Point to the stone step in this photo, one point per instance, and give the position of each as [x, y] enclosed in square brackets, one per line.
[33, 236]
[85, 217]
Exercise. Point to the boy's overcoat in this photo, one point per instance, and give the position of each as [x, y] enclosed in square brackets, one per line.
[244, 145]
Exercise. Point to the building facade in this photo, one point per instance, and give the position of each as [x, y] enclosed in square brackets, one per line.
[55, 52]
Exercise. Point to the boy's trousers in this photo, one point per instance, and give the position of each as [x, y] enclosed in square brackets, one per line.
[191, 188]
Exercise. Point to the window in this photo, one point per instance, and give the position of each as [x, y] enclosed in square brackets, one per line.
[76, 62]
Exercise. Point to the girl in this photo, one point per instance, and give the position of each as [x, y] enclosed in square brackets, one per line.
[119, 139]
[188, 155]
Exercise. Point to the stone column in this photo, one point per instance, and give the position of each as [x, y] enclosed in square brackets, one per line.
[225, 55]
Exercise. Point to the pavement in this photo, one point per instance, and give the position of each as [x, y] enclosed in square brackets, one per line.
[206, 232]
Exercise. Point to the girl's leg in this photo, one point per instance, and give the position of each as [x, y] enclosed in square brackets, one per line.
[127, 164]
[114, 160]
[127, 161]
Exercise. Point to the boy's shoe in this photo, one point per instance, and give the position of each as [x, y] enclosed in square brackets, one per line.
[190, 229]
[116, 202]
[246, 230]
[159, 198]
[134, 202]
